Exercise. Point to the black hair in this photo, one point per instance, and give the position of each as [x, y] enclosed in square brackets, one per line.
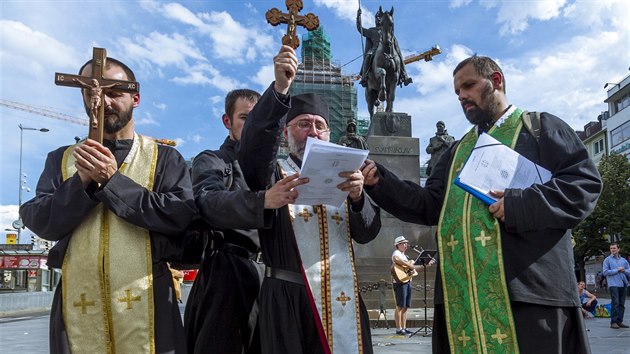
[230, 99]
[484, 66]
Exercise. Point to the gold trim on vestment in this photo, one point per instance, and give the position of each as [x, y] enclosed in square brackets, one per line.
[325, 247]
[112, 256]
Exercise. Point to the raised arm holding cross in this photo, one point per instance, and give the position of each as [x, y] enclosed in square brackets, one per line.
[292, 19]
[96, 90]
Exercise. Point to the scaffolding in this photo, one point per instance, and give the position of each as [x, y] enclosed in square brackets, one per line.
[318, 74]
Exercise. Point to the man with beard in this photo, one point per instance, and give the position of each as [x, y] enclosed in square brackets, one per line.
[505, 281]
[221, 312]
[117, 210]
[309, 300]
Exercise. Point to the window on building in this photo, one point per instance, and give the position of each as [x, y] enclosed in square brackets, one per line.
[620, 134]
[622, 102]
[599, 146]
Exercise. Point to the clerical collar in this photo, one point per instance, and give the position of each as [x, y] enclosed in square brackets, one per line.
[508, 111]
[119, 147]
[113, 145]
[485, 126]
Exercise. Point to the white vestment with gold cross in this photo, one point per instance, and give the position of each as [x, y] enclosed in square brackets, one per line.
[107, 270]
[323, 237]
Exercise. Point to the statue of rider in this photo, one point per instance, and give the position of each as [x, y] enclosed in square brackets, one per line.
[372, 40]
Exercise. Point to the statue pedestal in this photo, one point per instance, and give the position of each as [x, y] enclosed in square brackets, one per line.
[391, 144]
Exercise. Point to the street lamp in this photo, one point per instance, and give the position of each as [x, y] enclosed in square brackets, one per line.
[17, 224]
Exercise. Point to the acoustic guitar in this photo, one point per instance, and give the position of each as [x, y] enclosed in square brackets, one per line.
[401, 274]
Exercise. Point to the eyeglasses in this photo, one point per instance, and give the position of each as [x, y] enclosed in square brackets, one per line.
[307, 125]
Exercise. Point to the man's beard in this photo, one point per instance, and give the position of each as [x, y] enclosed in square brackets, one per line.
[477, 115]
[114, 120]
[294, 148]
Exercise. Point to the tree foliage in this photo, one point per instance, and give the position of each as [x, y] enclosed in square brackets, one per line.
[611, 217]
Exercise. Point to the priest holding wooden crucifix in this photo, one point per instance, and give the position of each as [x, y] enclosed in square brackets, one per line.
[309, 300]
[117, 210]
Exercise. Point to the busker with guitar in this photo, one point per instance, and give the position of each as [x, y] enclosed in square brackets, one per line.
[403, 270]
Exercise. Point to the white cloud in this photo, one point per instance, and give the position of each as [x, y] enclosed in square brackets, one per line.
[145, 119]
[347, 10]
[458, 3]
[264, 77]
[162, 49]
[231, 40]
[196, 138]
[8, 214]
[216, 99]
[513, 16]
[160, 106]
[178, 12]
[180, 142]
[31, 51]
[206, 74]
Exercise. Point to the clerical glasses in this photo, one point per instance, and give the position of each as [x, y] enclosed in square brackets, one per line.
[303, 124]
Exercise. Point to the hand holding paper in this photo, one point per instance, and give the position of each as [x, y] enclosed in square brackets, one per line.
[493, 166]
[323, 162]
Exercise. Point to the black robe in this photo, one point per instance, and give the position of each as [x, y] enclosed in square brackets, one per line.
[287, 322]
[221, 312]
[536, 235]
[60, 206]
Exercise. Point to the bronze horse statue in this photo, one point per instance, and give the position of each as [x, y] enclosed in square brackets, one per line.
[384, 72]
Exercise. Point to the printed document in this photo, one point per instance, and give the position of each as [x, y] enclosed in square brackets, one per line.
[494, 166]
[323, 162]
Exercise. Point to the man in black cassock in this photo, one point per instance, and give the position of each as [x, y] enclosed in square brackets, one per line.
[222, 313]
[506, 277]
[309, 301]
[118, 211]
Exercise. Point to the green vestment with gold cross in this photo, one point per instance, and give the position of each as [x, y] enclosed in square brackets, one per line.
[476, 300]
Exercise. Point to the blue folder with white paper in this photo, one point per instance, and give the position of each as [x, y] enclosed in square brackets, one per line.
[493, 166]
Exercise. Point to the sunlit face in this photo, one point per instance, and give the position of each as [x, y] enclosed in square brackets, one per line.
[614, 250]
[235, 123]
[402, 246]
[581, 285]
[118, 105]
[476, 95]
[303, 126]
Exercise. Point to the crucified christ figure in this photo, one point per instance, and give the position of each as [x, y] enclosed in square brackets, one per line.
[95, 97]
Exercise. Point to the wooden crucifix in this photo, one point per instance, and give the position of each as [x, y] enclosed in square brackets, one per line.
[292, 19]
[97, 86]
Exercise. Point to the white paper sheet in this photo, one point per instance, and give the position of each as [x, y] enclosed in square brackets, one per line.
[494, 166]
[323, 162]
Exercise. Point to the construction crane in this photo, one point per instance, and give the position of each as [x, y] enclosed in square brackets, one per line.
[62, 116]
[427, 56]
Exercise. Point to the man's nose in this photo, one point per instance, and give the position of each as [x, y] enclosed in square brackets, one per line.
[312, 131]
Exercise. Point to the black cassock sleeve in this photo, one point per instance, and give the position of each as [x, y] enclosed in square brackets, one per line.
[223, 208]
[407, 200]
[59, 206]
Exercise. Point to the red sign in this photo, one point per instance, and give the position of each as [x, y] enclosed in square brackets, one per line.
[189, 275]
[11, 262]
[29, 262]
[32, 273]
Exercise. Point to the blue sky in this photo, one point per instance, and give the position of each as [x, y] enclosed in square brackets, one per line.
[556, 54]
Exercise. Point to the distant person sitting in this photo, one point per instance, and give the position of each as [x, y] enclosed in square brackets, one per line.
[588, 300]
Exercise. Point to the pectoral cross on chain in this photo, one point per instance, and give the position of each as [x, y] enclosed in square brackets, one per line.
[292, 19]
[97, 87]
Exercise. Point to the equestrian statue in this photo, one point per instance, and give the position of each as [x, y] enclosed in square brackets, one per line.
[383, 67]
